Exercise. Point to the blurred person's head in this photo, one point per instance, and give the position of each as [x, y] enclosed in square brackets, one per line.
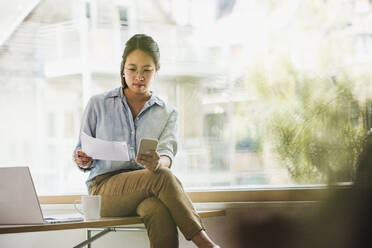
[346, 217]
[343, 220]
[361, 199]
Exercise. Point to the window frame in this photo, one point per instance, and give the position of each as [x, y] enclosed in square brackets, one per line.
[280, 194]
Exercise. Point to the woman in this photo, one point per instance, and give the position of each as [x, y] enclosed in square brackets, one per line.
[144, 185]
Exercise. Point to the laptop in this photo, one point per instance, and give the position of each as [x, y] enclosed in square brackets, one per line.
[19, 204]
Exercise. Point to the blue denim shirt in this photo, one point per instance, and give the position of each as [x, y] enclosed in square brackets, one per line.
[107, 116]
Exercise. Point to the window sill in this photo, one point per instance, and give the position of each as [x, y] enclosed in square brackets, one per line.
[209, 195]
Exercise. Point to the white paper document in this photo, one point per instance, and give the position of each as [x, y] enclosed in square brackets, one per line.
[103, 149]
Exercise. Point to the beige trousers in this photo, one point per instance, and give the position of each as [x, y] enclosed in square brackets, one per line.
[158, 197]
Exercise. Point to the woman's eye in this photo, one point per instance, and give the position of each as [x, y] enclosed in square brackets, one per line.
[132, 69]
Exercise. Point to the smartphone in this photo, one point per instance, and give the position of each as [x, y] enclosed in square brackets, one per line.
[147, 144]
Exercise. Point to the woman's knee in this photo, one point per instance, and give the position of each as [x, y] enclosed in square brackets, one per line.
[165, 179]
[164, 171]
[167, 174]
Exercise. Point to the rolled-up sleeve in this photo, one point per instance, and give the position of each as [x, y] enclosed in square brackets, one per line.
[88, 126]
[168, 138]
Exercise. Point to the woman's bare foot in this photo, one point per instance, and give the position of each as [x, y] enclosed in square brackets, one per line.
[202, 240]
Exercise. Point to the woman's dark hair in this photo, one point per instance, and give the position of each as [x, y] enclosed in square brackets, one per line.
[144, 43]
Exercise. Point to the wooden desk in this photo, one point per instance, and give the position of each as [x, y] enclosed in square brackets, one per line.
[104, 225]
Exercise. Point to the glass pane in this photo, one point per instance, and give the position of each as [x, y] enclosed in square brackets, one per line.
[269, 93]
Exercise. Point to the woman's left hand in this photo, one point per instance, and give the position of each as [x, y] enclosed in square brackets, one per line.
[150, 160]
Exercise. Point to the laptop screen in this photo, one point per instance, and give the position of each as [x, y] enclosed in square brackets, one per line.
[19, 203]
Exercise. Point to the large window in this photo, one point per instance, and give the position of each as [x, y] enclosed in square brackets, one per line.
[269, 93]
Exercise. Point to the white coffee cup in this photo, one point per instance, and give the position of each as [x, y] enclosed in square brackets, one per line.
[91, 205]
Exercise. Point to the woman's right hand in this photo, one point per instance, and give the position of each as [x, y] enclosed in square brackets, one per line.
[82, 159]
